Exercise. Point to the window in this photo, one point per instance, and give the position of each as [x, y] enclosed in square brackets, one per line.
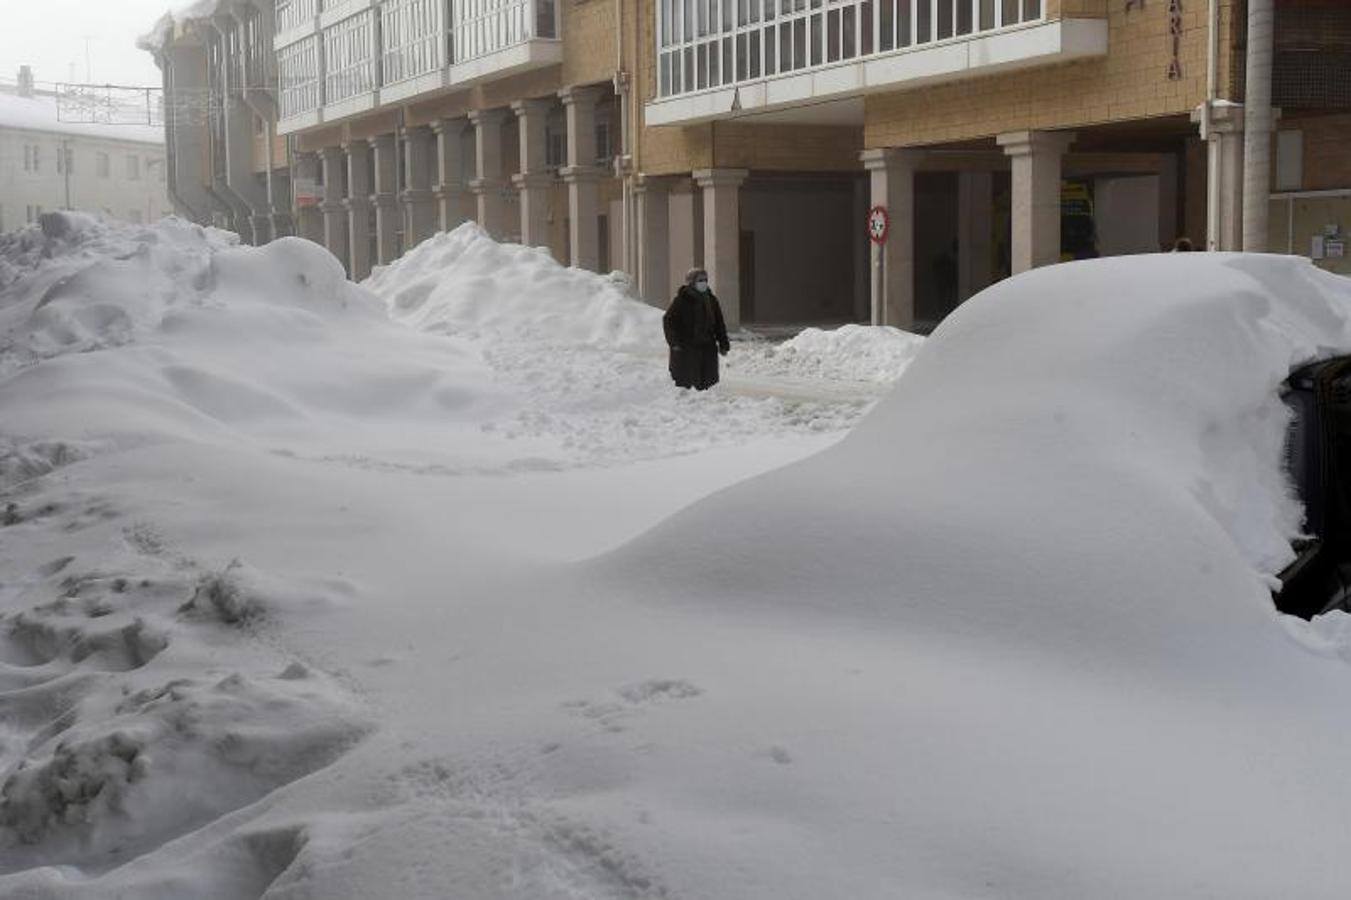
[603, 151]
[32, 157]
[65, 160]
[555, 154]
[133, 167]
[102, 165]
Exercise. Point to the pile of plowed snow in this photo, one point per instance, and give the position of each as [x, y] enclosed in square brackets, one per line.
[466, 284]
[588, 361]
[206, 340]
[862, 353]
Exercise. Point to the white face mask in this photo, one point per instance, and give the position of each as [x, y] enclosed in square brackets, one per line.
[701, 287]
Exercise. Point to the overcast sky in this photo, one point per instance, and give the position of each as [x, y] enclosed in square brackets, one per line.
[49, 35]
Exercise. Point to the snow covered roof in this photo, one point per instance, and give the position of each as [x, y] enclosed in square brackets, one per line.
[154, 40]
[39, 113]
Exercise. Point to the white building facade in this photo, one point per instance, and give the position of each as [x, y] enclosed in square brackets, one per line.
[47, 164]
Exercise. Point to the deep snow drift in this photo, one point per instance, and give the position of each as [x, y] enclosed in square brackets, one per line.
[407, 589]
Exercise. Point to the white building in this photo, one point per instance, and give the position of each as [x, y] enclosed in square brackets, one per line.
[48, 164]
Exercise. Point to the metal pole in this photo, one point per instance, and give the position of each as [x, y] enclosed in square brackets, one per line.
[66, 158]
[1257, 123]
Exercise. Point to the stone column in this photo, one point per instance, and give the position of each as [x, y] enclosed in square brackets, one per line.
[722, 236]
[891, 176]
[358, 203]
[975, 227]
[309, 218]
[581, 175]
[419, 206]
[533, 180]
[388, 217]
[450, 187]
[654, 239]
[1224, 182]
[332, 208]
[1036, 157]
[490, 183]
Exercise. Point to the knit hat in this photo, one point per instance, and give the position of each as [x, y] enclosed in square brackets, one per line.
[694, 275]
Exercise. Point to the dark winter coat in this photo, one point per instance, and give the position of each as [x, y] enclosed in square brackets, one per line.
[696, 334]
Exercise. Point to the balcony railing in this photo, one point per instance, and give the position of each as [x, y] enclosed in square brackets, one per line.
[704, 44]
[410, 46]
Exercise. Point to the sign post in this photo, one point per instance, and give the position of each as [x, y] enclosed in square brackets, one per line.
[879, 224]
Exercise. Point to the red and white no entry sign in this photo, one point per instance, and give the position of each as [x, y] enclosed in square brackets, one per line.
[879, 223]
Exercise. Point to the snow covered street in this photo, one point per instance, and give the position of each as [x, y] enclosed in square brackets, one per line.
[435, 586]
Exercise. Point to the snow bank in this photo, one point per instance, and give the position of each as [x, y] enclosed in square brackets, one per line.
[862, 353]
[466, 284]
[263, 345]
[89, 282]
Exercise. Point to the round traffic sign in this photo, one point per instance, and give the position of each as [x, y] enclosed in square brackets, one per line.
[879, 223]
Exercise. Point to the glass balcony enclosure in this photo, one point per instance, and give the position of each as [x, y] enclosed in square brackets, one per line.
[336, 56]
[298, 77]
[704, 44]
[412, 38]
[483, 27]
[349, 57]
[291, 13]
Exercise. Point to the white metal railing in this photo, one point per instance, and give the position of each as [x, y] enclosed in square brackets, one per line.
[349, 57]
[291, 13]
[412, 38]
[705, 44]
[298, 77]
[482, 27]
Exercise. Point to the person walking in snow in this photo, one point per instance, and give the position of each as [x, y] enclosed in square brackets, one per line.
[696, 333]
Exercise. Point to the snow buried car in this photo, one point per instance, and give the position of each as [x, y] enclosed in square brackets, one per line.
[1318, 457]
[1048, 558]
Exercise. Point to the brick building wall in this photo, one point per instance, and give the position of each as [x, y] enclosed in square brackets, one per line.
[1327, 157]
[1131, 82]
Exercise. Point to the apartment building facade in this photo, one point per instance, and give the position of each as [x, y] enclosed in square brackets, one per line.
[49, 163]
[227, 165]
[753, 137]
